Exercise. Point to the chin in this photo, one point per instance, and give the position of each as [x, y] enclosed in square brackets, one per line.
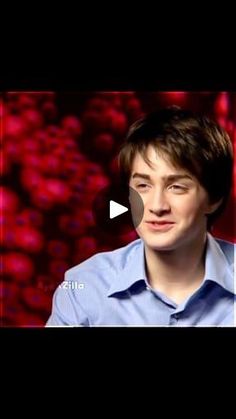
[160, 242]
[161, 245]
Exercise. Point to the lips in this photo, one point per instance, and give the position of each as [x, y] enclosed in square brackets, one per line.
[160, 226]
[164, 222]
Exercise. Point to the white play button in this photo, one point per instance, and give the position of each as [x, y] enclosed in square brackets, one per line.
[116, 209]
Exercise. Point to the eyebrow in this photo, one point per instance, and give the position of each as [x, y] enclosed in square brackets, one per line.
[170, 177]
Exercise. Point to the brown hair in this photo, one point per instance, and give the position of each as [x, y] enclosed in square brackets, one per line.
[189, 141]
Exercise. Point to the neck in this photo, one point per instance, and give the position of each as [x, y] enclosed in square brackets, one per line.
[176, 273]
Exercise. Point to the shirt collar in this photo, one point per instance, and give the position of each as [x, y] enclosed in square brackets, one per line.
[217, 267]
[133, 270]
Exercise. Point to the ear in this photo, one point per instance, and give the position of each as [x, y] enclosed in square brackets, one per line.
[213, 207]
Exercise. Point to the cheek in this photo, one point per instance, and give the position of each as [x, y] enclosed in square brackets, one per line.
[189, 207]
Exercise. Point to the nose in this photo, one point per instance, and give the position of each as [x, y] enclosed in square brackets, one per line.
[158, 203]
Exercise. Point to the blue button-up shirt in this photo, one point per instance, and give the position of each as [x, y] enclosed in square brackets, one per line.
[111, 288]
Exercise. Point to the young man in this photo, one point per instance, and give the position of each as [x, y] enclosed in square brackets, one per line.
[176, 273]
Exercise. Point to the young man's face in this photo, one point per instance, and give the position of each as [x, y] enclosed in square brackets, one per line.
[175, 203]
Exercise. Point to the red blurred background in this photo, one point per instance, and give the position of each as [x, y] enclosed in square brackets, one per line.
[57, 151]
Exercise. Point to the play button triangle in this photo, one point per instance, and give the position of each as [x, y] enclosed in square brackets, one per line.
[116, 209]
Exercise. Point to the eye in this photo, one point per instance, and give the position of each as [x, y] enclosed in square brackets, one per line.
[142, 186]
[178, 188]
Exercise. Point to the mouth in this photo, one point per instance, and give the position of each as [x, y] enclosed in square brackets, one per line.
[160, 225]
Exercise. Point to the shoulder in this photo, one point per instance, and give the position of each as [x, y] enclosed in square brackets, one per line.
[228, 248]
[112, 261]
